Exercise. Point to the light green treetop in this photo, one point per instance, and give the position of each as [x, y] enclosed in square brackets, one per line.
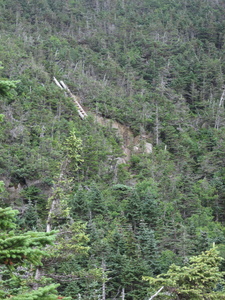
[6, 85]
[201, 279]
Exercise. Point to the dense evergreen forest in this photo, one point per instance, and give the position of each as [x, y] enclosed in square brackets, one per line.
[129, 202]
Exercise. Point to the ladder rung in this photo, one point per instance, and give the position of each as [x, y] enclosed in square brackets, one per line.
[80, 109]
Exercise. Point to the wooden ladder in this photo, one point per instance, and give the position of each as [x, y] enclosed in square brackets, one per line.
[62, 86]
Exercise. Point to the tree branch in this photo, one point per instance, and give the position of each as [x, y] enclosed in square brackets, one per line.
[156, 293]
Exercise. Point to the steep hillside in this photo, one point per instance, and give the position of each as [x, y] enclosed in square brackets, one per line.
[142, 177]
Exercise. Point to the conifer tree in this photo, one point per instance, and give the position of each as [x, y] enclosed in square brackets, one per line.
[148, 247]
[22, 249]
[6, 85]
[201, 279]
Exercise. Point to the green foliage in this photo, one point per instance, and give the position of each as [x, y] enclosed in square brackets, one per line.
[17, 250]
[148, 247]
[198, 280]
[156, 67]
[45, 293]
[7, 217]
[142, 204]
[30, 217]
[73, 148]
[70, 241]
[6, 85]
[14, 249]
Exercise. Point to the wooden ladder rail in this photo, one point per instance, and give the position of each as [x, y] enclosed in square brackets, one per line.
[80, 109]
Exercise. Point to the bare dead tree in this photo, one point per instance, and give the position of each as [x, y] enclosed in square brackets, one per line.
[156, 293]
[220, 110]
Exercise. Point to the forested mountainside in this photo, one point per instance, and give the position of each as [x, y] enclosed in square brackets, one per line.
[147, 72]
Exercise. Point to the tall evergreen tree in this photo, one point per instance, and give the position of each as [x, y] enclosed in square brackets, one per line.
[22, 249]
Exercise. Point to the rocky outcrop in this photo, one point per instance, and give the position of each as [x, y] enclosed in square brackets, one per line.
[130, 143]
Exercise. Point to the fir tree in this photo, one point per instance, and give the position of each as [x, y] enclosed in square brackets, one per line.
[22, 249]
[201, 279]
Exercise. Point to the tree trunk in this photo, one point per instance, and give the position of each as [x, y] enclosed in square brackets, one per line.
[123, 294]
[220, 110]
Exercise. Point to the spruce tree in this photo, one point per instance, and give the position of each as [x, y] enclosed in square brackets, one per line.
[6, 85]
[200, 279]
[25, 250]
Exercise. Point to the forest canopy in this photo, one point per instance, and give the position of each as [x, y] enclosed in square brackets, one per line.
[137, 188]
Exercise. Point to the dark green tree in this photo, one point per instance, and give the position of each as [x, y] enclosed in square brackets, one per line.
[22, 249]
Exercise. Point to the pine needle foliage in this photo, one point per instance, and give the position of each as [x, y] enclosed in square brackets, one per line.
[20, 249]
[201, 279]
[6, 85]
[44, 293]
[15, 249]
